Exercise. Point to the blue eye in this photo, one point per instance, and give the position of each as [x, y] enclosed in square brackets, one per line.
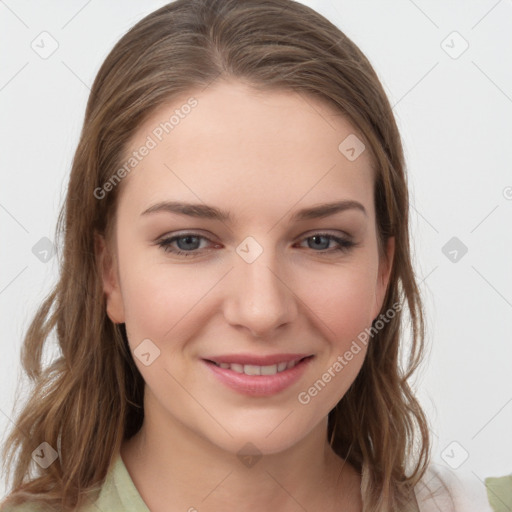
[188, 244]
[343, 245]
[190, 239]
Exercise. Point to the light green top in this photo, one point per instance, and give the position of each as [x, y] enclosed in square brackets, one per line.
[499, 492]
[119, 494]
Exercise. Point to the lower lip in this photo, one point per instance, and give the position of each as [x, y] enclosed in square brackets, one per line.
[259, 385]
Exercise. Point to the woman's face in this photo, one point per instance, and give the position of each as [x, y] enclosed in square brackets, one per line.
[266, 281]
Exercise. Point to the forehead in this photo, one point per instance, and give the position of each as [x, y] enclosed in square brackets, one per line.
[254, 150]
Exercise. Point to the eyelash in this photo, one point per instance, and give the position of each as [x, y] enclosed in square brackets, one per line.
[344, 245]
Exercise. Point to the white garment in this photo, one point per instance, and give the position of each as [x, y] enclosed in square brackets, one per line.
[451, 493]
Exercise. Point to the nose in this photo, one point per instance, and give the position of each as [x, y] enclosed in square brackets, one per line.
[261, 298]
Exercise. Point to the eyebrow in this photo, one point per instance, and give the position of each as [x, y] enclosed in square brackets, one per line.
[204, 211]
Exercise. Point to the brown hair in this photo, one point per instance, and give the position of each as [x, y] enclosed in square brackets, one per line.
[90, 398]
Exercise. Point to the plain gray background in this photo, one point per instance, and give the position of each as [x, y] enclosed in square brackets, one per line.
[454, 108]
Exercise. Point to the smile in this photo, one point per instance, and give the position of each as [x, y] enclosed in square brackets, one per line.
[259, 380]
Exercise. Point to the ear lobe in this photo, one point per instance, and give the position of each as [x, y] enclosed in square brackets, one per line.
[385, 266]
[106, 265]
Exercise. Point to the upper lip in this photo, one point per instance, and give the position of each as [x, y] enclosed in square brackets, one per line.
[257, 360]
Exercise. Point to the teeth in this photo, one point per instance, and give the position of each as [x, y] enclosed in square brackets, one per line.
[269, 370]
[239, 368]
[252, 369]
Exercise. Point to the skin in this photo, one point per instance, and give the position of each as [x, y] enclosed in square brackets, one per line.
[262, 156]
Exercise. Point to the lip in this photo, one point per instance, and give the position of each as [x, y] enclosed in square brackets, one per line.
[266, 360]
[259, 385]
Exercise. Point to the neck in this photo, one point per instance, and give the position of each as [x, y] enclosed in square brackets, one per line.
[169, 463]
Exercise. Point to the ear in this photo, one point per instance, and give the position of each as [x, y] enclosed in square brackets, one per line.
[384, 273]
[107, 268]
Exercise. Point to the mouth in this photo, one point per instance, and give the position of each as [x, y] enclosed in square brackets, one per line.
[259, 379]
[259, 369]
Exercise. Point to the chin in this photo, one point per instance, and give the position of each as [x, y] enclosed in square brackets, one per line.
[255, 444]
[265, 436]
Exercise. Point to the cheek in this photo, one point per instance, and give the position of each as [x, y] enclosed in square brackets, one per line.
[343, 310]
[160, 298]
[342, 301]
[157, 294]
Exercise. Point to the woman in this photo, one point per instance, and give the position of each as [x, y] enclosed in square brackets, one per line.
[258, 368]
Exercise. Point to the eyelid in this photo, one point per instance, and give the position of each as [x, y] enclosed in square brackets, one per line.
[320, 231]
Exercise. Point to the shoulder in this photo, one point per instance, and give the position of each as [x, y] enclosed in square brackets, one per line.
[442, 489]
[117, 492]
